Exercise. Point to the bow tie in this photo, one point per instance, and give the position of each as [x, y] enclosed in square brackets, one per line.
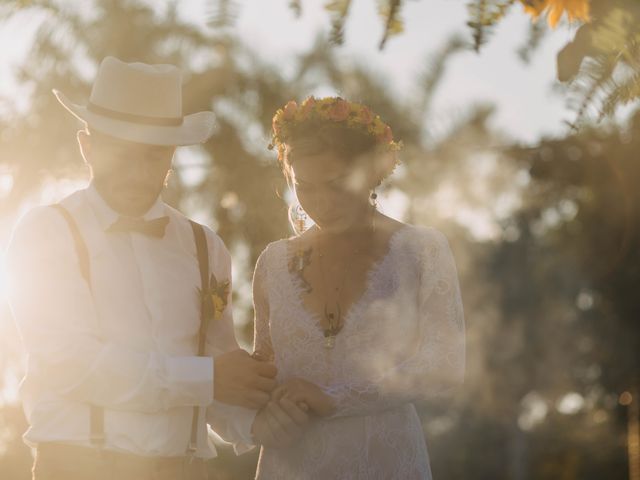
[152, 228]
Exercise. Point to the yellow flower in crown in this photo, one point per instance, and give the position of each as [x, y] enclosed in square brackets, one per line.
[331, 110]
[575, 9]
[377, 127]
[218, 295]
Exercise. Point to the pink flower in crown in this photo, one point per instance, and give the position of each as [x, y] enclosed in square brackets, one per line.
[339, 111]
[290, 110]
[366, 116]
[307, 107]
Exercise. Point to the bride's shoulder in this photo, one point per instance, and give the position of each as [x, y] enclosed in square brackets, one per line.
[299, 242]
[275, 249]
[427, 233]
[421, 238]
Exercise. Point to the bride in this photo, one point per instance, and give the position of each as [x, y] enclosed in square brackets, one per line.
[361, 313]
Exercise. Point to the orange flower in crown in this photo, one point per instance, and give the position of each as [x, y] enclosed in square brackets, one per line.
[331, 110]
[575, 9]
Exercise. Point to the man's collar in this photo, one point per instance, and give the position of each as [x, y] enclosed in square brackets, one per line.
[107, 216]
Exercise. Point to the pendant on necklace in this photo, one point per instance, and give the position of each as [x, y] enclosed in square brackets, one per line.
[334, 327]
[329, 341]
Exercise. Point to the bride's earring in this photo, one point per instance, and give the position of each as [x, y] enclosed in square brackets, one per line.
[373, 199]
[166, 179]
[299, 218]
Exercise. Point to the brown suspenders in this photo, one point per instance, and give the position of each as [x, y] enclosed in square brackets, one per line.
[96, 418]
[206, 312]
[96, 425]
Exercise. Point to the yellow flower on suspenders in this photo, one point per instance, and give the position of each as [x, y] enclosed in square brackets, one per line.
[218, 306]
[218, 294]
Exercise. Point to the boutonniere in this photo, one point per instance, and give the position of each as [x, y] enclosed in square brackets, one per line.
[217, 294]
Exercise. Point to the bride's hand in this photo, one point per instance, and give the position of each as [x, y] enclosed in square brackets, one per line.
[279, 423]
[305, 394]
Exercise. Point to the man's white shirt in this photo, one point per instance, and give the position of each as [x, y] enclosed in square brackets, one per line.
[129, 342]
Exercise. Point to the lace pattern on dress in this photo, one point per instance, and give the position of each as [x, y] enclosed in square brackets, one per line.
[402, 341]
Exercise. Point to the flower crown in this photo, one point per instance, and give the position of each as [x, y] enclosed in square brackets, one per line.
[329, 109]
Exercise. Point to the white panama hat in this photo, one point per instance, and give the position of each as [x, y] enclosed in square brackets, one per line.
[140, 103]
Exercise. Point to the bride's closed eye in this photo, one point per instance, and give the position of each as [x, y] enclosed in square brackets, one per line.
[337, 187]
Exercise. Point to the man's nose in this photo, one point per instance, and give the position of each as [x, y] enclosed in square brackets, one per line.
[140, 168]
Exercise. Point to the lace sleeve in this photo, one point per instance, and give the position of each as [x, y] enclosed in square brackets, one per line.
[262, 347]
[436, 366]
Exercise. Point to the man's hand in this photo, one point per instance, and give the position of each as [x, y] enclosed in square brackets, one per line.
[241, 380]
[304, 393]
[279, 423]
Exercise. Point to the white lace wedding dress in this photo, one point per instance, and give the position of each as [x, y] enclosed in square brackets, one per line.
[402, 341]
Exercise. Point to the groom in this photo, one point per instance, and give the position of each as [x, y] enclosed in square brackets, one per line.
[124, 304]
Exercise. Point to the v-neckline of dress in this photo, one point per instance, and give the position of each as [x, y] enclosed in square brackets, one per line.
[358, 303]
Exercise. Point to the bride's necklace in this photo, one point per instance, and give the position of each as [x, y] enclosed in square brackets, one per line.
[333, 317]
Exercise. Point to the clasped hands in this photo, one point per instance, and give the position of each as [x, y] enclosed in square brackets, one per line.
[284, 411]
[292, 406]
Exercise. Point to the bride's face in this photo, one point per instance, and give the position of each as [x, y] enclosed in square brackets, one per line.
[333, 192]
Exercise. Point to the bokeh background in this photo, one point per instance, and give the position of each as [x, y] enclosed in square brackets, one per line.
[522, 144]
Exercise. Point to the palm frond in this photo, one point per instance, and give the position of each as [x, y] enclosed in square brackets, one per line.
[610, 76]
[339, 11]
[222, 13]
[390, 12]
[537, 31]
[623, 93]
[483, 15]
[596, 75]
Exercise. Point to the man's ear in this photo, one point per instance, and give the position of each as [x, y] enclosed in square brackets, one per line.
[84, 142]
